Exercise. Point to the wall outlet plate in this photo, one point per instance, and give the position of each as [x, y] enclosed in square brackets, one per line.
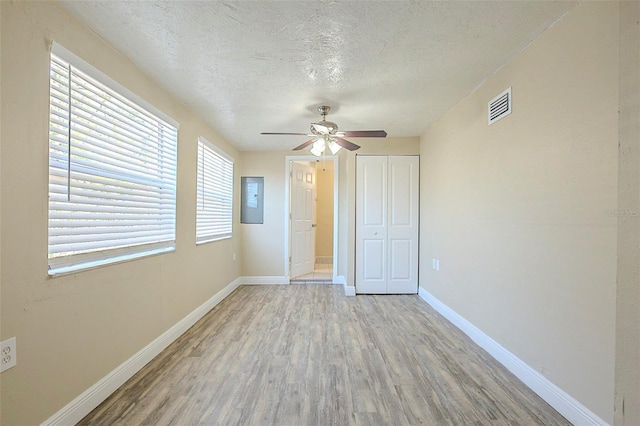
[8, 354]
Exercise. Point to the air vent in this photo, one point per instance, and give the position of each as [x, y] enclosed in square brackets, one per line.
[500, 106]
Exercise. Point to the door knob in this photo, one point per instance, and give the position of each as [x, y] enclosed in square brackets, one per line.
[313, 225]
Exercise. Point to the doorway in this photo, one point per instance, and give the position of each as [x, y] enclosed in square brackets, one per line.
[311, 243]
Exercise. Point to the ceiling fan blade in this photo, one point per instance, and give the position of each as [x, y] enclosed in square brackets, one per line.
[276, 133]
[345, 143]
[365, 134]
[304, 145]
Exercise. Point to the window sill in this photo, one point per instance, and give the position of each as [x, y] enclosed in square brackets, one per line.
[85, 266]
[212, 239]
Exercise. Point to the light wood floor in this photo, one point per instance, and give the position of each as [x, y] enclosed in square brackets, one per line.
[308, 355]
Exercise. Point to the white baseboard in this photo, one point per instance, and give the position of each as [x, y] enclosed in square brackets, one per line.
[82, 405]
[564, 403]
[262, 280]
[349, 290]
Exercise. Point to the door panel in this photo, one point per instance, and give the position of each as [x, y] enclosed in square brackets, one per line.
[374, 254]
[400, 260]
[399, 193]
[374, 275]
[374, 184]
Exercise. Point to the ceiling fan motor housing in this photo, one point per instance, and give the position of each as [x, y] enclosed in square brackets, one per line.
[324, 128]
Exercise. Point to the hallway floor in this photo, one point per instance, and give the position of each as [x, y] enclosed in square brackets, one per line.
[322, 274]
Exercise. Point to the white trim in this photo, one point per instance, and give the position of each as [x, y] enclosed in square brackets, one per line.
[87, 265]
[564, 403]
[82, 405]
[264, 280]
[336, 218]
[349, 290]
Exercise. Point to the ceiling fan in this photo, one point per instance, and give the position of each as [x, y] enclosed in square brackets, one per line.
[325, 135]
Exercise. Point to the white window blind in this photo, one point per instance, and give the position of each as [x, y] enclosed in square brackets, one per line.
[215, 193]
[112, 173]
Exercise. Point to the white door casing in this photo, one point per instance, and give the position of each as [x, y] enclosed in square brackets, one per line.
[303, 188]
[387, 224]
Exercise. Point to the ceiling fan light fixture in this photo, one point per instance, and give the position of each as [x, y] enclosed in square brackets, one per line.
[318, 147]
[334, 147]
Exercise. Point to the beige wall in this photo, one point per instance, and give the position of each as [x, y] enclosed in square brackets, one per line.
[73, 330]
[627, 407]
[263, 244]
[517, 211]
[324, 208]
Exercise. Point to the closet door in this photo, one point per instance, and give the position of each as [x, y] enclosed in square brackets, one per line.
[371, 224]
[387, 224]
[402, 224]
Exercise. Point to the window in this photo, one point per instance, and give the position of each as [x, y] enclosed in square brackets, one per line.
[215, 193]
[112, 170]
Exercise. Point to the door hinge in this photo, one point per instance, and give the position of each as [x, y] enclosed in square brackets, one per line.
[289, 259]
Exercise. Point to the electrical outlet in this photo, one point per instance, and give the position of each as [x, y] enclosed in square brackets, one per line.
[234, 256]
[8, 354]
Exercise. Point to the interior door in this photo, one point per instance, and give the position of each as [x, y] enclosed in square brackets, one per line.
[387, 224]
[302, 248]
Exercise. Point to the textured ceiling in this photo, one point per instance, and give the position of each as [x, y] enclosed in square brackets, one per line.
[249, 67]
